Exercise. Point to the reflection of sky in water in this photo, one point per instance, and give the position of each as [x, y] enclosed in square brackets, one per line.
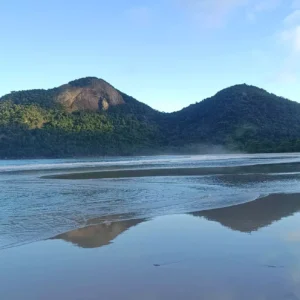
[172, 257]
[221, 250]
[33, 208]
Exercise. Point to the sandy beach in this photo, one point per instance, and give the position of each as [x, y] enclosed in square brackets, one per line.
[227, 253]
[215, 227]
[175, 171]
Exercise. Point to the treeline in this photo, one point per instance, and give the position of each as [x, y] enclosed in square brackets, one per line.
[33, 131]
[241, 118]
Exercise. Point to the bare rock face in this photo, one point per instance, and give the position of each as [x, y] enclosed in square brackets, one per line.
[89, 94]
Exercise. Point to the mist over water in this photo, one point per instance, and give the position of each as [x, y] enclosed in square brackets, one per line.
[35, 208]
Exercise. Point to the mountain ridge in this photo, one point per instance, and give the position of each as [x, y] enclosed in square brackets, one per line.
[89, 116]
[91, 80]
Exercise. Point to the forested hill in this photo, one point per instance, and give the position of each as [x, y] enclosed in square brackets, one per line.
[242, 117]
[89, 117]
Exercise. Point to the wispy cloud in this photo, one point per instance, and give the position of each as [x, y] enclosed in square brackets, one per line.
[212, 13]
[293, 18]
[217, 13]
[257, 7]
[266, 5]
[140, 15]
[286, 44]
[289, 39]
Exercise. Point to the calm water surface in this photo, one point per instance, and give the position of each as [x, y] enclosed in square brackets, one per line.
[228, 253]
[34, 208]
[233, 233]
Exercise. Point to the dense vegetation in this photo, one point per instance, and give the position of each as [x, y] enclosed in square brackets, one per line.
[243, 118]
[32, 131]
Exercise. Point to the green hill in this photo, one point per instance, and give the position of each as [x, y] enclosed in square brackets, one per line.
[88, 117]
[242, 117]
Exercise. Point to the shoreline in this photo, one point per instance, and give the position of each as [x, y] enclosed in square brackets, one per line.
[236, 212]
[177, 250]
[246, 217]
[171, 172]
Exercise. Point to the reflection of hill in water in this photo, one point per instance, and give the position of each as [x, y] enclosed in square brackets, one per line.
[97, 235]
[247, 217]
[254, 215]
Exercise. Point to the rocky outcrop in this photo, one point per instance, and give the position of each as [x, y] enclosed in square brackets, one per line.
[94, 95]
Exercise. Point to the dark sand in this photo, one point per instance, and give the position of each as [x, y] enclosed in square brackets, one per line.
[248, 251]
[254, 169]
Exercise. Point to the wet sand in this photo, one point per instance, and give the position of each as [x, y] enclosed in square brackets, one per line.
[157, 172]
[247, 251]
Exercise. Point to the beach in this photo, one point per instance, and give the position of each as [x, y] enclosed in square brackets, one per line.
[207, 255]
[168, 227]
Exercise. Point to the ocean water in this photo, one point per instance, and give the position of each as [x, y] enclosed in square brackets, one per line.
[34, 208]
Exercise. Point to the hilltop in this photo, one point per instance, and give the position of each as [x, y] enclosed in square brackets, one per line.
[88, 116]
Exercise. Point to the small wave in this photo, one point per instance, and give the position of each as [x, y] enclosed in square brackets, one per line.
[58, 164]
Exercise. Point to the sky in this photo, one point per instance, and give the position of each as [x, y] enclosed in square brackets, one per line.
[166, 53]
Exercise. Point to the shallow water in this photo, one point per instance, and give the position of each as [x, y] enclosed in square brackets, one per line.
[231, 231]
[35, 208]
[228, 253]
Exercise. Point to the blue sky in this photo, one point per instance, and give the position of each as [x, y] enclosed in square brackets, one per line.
[166, 53]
